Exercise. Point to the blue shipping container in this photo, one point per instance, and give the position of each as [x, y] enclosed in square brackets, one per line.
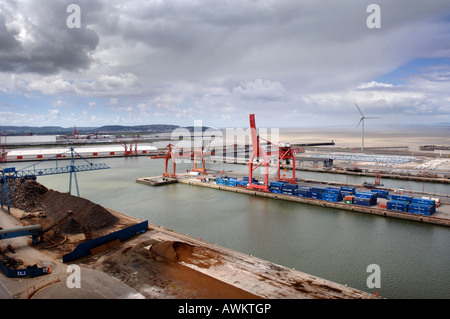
[380, 192]
[318, 189]
[315, 195]
[231, 182]
[348, 189]
[276, 184]
[332, 197]
[332, 190]
[401, 206]
[301, 193]
[363, 201]
[423, 201]
[365, 195]
[401, 197]
[275, 190]
[242, 183]
[422, 207]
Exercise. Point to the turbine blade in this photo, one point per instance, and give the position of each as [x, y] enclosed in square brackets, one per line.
[359, 110]
[362, 119]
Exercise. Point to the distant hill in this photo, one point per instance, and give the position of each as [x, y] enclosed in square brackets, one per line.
[55, 130]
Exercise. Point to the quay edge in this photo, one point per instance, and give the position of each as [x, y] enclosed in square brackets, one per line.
[354, 208]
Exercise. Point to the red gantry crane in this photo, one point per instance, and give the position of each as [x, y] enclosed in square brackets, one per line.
[202, 169]
[285, 152]
[256, 153]
[167, 153]
[130, 151]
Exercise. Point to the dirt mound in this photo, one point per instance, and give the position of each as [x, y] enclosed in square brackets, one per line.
[84, 212]
[28, 195]
[31, 196]
[172, 250]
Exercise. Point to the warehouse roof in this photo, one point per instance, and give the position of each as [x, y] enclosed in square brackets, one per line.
[79, 150]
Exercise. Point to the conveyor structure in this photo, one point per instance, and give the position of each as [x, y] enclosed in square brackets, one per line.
[35, 231]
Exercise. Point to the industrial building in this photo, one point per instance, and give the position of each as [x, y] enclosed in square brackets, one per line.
[87, 152]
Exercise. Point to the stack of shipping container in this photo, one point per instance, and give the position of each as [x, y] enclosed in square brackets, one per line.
[422, 206]
[396, 202]
[302, 191]
[316, 192]
[365, 199]
[275, 187]
[414, 205]
[332, 194]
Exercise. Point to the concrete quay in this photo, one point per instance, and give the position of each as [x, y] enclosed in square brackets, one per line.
[442, 217]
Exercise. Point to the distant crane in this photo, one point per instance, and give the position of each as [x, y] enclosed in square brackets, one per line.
[362, 121]
[3, 145]
[130, 151]
[167, 153]
[10, 175]
[257, 151]
[75, 133]
[195, 155]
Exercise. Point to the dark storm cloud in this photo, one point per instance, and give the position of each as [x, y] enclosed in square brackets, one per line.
[35, 38]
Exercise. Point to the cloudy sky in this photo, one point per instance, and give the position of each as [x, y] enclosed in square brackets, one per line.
[292, 63]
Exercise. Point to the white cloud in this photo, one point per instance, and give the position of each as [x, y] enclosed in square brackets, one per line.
[374, 84]
[54, 113]
[224, 59]
[259, 89]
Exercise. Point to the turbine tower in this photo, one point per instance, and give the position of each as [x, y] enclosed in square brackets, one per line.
[362, 121]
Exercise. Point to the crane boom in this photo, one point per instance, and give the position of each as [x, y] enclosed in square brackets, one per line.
[257, 151]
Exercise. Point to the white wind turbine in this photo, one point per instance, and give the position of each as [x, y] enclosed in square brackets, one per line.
[362, 121]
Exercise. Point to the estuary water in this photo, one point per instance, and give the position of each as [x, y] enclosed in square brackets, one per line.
[333, 244]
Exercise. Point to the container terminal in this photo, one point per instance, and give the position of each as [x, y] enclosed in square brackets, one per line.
[367, 198]
[381, 202]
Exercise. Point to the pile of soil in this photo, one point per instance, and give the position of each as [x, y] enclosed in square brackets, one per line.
[172, 250]
[28, 195]
[177, 251]
[86, 216]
